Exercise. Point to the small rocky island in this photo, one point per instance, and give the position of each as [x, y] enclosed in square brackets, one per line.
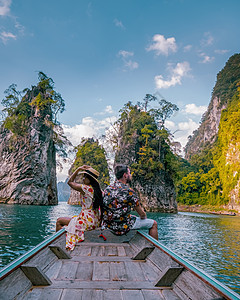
[28, 145]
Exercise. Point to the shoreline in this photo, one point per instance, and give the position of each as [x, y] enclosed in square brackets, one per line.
[206, 209]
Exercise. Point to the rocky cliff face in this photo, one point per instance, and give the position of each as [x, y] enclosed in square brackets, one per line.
[226, 85]
[207, 131]
[157, 195]
[221, 123]
[156, 191]
[28, 161]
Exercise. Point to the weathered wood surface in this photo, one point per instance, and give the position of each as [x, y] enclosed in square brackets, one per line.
[143, 253]
[195, 288]
[100, 269]
[59, 252]
[104, 270]
[168, 276]
[36, 275]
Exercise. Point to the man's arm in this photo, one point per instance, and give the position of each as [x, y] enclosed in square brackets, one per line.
[140, 211]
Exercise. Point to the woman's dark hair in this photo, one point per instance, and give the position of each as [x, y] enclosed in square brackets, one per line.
[119, 170]
[97, 196]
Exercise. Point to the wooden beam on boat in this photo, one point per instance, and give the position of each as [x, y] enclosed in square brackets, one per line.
[36, 275]
[169, 275]
[104, 284]
[143, 254]
[59, 252]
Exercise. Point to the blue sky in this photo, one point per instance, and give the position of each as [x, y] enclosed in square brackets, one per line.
[103, 53]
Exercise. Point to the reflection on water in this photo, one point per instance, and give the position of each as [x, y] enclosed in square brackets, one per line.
[210, 242]
[22, 227]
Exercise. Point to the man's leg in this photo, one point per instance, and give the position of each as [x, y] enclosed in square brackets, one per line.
[154, 231]
[147, 224]
[62, 221]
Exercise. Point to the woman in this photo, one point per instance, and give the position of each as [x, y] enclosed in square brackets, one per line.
[91, 202]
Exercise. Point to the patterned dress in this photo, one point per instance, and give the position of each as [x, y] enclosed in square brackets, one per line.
[118, 200]
[88, 219]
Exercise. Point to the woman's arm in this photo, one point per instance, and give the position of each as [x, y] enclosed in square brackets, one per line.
[76, 186]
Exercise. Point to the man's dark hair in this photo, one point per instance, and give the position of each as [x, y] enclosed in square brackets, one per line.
[119, 170]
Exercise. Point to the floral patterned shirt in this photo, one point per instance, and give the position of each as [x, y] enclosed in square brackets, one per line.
[118, 200]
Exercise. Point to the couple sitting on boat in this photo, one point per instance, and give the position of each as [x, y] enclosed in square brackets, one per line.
[112, 208]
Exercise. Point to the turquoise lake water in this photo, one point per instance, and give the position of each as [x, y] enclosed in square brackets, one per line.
[210, 242]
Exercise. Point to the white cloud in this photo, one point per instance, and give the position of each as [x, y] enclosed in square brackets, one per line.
[20, 28]
[62, 173]
[125, 54]
[187, 48]
[207, 40]
[88, 128]
[128, 63]
[176, 75]
[162, 45]
[194, 109]
[5, 7]
[131, 64]
[218, 51]
[5, 36]
[108, 110]
[118, 23]
[206, 58]
[75, 133]
[189, 126]
[170, 125]
[184, 129]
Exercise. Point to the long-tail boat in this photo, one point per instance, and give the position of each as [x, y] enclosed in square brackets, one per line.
[105, 266]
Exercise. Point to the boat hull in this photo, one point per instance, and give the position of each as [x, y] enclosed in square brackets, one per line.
[130, 266]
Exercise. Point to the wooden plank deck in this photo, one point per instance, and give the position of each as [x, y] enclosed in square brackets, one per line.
[102, 270]
[99, 269]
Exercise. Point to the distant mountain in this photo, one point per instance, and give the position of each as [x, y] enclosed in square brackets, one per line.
[64, 191]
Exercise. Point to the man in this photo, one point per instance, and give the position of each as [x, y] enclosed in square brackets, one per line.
[118, 200]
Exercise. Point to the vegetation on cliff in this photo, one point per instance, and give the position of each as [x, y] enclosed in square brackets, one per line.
[225, 88]
[226, 160]
[90, 152]
[143, 142]
[215, 179]
[30, 137]
[42, 102]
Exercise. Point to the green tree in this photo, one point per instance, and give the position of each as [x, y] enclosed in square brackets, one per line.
[226, 159]
[163, 112]
[90, 152]
[41, 103]
[147, 147]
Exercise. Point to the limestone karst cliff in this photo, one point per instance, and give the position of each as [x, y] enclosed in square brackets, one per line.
[214, 147]
[225, 87]
[143, 146]
[157, 194]
[27, 149]
[89, 152]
